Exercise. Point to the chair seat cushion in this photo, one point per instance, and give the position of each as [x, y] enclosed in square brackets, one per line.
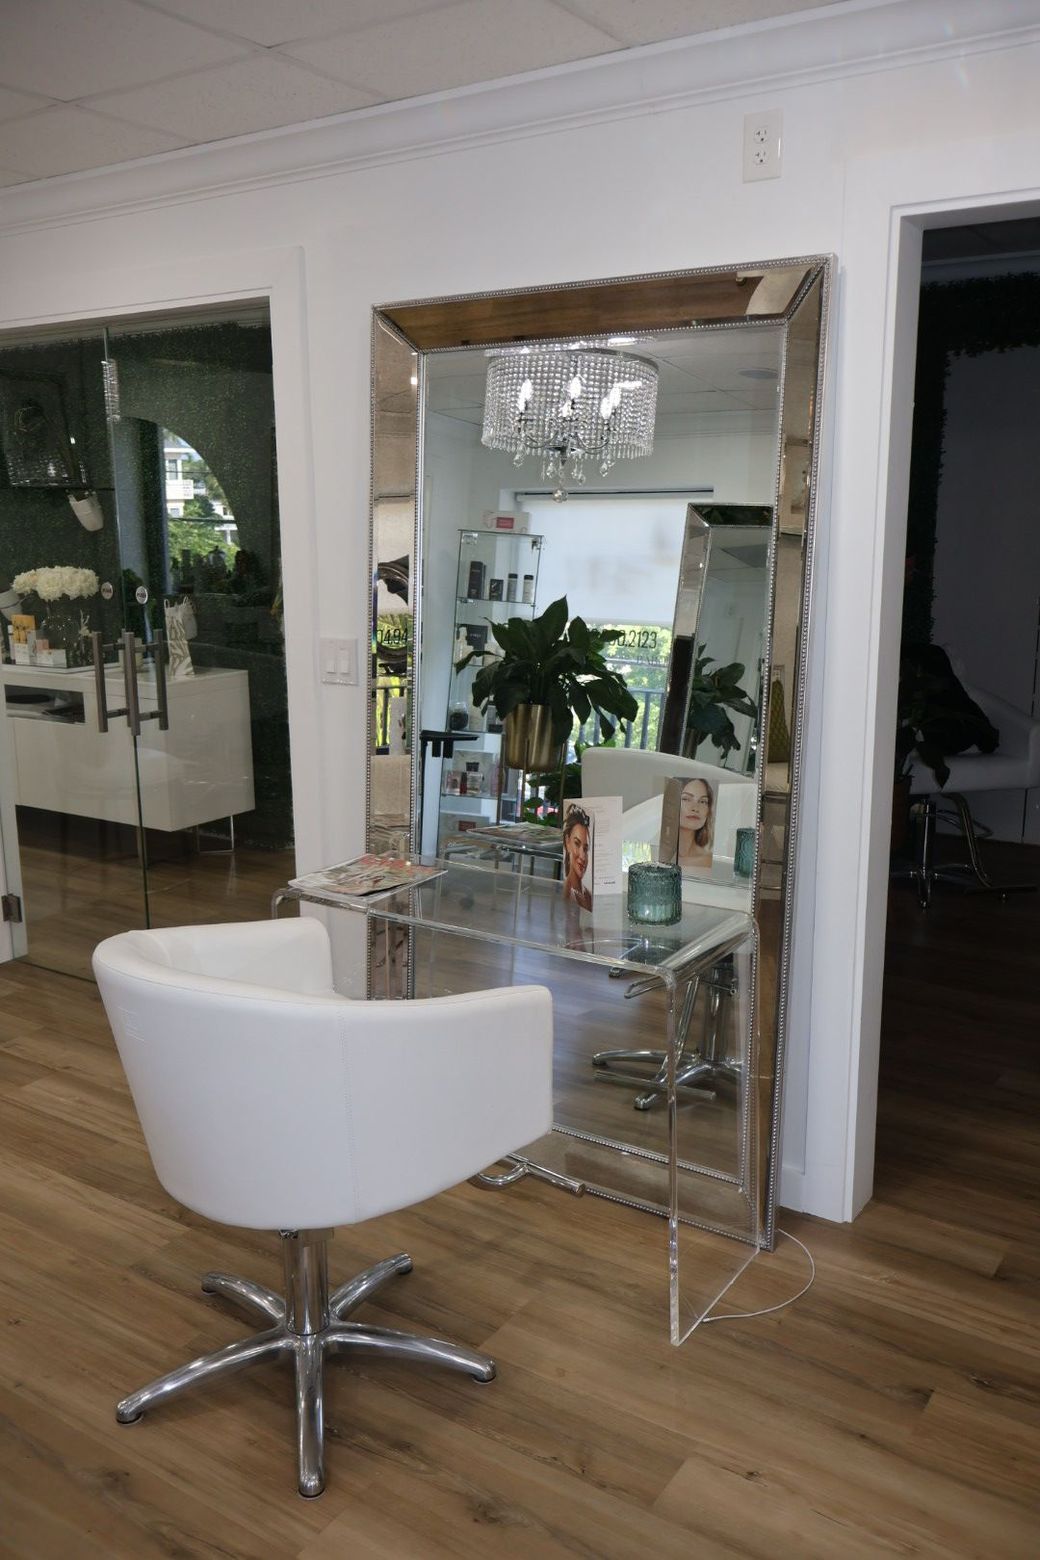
[974, 772]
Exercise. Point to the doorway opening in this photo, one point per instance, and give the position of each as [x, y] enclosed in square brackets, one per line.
[956, 1136]
[145, 775]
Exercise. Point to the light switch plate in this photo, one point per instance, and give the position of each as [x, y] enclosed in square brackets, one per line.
[339, 661]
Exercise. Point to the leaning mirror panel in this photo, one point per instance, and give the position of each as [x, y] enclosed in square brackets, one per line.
[694, 555]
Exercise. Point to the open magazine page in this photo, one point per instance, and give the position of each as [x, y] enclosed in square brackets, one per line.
[366, 875]
[528, 834]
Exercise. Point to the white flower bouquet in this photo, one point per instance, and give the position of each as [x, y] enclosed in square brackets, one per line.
[62, 632]
[56, 581]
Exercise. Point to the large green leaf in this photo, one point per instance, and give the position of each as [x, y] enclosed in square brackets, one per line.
[549, 627]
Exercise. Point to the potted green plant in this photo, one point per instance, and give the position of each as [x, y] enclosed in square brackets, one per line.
[712, 695]
[548, 670]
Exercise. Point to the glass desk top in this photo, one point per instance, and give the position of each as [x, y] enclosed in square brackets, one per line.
[518, 910]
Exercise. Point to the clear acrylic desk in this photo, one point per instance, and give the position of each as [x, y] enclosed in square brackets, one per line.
[688, 1159]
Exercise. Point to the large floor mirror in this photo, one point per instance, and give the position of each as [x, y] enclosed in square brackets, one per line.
[697, 553]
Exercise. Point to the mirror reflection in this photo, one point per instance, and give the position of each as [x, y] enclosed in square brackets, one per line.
[501, 543]
[601, 619]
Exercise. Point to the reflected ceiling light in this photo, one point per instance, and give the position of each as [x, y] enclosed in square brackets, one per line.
[568, 404]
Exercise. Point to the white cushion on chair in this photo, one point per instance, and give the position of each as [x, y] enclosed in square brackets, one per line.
[269, 1101]
[1015, 765]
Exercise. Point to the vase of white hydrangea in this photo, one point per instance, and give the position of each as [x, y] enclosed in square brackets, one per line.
[59, 597]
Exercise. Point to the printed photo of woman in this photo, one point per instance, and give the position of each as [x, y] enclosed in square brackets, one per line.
[696, 826]
[577, 856]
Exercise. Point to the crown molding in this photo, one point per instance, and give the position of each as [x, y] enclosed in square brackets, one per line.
[856, 38]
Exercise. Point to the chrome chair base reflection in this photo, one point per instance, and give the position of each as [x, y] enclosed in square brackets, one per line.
[696, 1070]
[925, 873]
[306, 1324]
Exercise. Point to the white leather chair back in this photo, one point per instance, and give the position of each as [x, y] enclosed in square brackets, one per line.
[636, 774]
[269, 1101]
[1015, 765]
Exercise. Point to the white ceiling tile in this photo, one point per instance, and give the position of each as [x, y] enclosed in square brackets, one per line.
[67, 139]
[69, 51]
[14, 104]
[272, 22]
[476, 40]
[254, 94]
[652, 21]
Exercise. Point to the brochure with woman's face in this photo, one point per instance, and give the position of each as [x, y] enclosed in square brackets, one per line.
[700, 817]
[688, 823]
[591, 849]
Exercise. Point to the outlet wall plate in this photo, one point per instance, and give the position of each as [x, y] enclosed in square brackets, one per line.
[762, 144]
[339, 660]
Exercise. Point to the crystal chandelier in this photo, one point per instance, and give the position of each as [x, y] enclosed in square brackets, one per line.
[569, 404]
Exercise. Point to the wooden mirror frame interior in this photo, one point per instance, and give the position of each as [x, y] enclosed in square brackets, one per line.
[792, 294]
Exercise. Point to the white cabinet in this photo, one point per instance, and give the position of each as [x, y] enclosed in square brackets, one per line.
[199, 770]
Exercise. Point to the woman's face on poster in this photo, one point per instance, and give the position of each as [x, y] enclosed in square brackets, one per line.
[695, 805]
[578, 849]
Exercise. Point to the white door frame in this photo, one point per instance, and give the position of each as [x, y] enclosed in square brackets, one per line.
[890, 201]
[277, 276]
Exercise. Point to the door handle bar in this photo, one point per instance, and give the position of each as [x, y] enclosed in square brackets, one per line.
[161, 713]
[133, 704]
[132, 709]
[104, 714]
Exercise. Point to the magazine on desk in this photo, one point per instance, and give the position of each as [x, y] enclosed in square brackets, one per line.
[546, 835]
[365, 875]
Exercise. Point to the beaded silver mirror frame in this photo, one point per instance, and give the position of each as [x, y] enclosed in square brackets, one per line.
[793, 294]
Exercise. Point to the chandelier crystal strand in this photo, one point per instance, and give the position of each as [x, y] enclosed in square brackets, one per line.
[570, 404]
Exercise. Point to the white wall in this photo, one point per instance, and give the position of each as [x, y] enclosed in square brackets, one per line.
[464, 193]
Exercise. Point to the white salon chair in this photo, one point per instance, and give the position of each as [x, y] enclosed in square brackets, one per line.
[1014, 766]
[270, 1102]
[637, 774]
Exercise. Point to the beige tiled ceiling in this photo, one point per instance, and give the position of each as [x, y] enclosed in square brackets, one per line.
[207, 105]
[85, 83]
[66, 50]
[635, 21]
[271, 22]
[473, 40]
[14, 103]
[65, 139]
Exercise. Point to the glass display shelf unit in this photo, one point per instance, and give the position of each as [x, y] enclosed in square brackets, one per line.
[496, 579]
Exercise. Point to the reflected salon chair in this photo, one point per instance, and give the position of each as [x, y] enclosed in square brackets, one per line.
[639, 774]
[270, 1102]
[699, 1067]
[1014, 766]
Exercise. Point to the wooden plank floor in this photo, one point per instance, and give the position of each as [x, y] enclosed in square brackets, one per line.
[895, 1410]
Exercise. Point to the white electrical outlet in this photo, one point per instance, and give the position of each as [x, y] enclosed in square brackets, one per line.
[762, 142]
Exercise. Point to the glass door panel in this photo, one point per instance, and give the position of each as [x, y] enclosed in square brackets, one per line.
[192, 420]
[70, 789]
[137, 471]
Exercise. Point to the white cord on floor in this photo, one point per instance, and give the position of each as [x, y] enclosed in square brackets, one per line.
[737, 1316]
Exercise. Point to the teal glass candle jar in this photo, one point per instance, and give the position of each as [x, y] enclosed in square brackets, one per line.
[744, 858]
[654, 892]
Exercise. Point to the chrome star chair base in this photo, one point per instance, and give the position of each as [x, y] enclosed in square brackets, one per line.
[925, 873]
[697, 1071]
[305, 1326]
